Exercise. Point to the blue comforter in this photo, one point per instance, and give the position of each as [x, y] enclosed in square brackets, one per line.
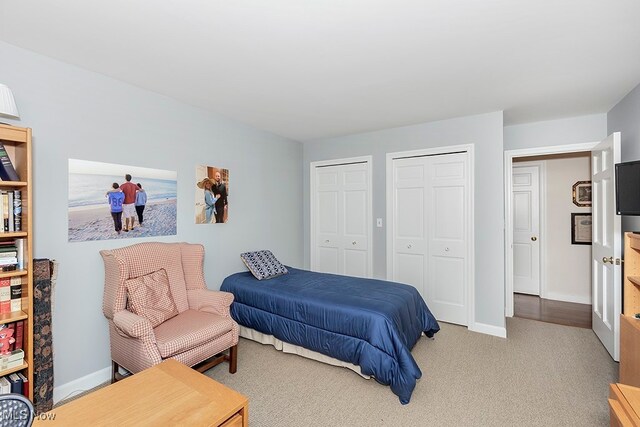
[367, 322]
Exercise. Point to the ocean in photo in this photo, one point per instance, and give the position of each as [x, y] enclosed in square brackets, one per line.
[90, 190]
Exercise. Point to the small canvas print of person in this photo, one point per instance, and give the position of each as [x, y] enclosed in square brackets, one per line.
[141, 201]
[115, 197]
[128, 208]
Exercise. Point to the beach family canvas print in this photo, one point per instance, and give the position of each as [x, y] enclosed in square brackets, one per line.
[111, 201]
[212, 191]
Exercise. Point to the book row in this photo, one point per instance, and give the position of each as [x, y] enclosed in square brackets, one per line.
[14, 383]
[12, 254]
[11, 211]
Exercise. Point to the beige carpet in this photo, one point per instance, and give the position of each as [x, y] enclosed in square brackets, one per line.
[542, 375]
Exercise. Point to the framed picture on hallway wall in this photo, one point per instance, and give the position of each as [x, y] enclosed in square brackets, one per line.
[581, 228]
[581, 191]
[212, 191]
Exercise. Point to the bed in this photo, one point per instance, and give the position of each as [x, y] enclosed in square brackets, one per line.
[370, 323]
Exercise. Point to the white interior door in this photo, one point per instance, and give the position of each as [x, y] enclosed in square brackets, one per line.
[341, 219]
[430, 209]
[447, 209]
[526, 229]
[606, 249]
[409, 262]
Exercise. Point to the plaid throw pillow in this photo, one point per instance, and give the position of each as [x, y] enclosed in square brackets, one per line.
[263, 265]
[149, 297]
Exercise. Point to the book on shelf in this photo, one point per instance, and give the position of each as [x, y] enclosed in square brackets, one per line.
[9, 261]
[5, 211]
[16, 383]
[7, 171]
[19, 244]
[25, 384]
[5, 295]
[17, 210]
[16, 294]
[19, 335]
[5, 386]
[10, 225]
[7, 246]
[12, 359]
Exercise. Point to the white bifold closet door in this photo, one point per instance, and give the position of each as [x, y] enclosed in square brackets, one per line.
[342, 220]
[430, 237]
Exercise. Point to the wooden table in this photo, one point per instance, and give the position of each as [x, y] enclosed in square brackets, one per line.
[168, 394]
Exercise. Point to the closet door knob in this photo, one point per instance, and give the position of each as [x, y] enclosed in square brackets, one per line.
[534, 238]
[354, 242]
[409, 246]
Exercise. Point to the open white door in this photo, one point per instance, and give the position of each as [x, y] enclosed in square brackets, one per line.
[606, 248]
[526, 228]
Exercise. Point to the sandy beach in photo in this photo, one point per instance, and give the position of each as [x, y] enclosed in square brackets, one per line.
[95, 223]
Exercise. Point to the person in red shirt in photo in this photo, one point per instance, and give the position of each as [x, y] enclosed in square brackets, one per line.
[129, 206]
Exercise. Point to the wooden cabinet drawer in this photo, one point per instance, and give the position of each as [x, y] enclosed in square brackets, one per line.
[235, 421]
[618, 417]
[623, 403]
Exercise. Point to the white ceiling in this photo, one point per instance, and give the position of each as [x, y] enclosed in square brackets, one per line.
[308, 69]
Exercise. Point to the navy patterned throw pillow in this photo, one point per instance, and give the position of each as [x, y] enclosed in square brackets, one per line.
[263, 265]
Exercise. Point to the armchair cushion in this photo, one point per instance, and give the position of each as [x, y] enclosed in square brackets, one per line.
[190, 329]
[148, 296]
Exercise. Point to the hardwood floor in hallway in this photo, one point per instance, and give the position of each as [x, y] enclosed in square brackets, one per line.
[551, 311]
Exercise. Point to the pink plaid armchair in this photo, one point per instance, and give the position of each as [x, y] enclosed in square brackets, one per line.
[197, 335]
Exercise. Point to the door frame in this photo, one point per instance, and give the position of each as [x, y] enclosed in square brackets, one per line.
[312, 204]
[470, 237]
[509, 155]
[542, 219]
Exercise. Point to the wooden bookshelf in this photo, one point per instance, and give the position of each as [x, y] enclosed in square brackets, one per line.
[629, 325]
[17, 142]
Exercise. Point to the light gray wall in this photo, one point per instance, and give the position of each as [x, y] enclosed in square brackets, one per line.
[78, 114]
[624, 117]
[485, 132]
[573, 130]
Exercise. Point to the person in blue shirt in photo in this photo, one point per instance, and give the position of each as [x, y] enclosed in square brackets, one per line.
[116, 199]
[209, 199]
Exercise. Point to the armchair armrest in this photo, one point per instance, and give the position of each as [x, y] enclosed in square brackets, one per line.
[217, 302]
[133, 326]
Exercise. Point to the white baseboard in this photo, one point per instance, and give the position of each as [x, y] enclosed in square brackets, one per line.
[85, 383]
[568, 298]
[483, 328]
